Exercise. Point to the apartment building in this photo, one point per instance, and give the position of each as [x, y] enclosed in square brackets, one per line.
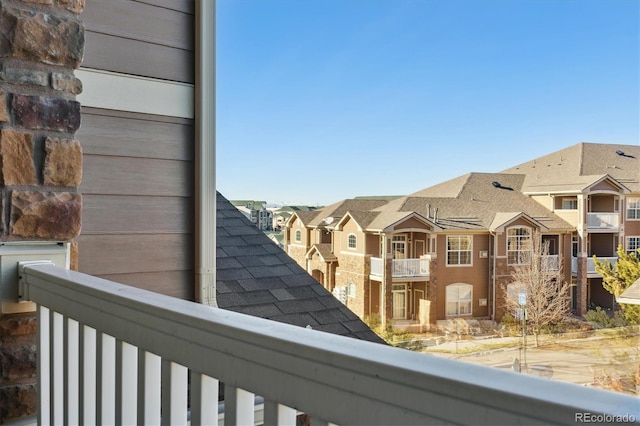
[256, 212]
[448, 251]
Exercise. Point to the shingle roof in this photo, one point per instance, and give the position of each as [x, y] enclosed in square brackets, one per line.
[631, 295]
[578, 166]
[255, 277]
[339, 209]
[471, 202]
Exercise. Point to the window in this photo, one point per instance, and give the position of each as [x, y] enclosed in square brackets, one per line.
[298, 236]
[458, 250]
[570, 203]
[633, 244]
[518, 243]
[633, 208]
[352, 241]
[459, 298]
[398, 246]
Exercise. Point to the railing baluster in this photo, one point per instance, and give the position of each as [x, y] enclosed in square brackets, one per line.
[87, 367]
[57, 368]
[174, 393]
[71, 359]
[278, 414]
[106, 379]
[204, 399]
[126, 382]
[44, 366]
[149, 380]
[238, 406]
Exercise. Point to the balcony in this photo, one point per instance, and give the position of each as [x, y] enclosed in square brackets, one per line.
[591, 265]
[113, 354]
[603, 221]
[403, 268]
[551, 262]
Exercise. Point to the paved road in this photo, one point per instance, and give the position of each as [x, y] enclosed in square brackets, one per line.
[579, 361]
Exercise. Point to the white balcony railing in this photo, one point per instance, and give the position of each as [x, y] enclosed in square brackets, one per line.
[113, 354]
[551, 262]
[603, 220]
[403, 267]
[591, 265]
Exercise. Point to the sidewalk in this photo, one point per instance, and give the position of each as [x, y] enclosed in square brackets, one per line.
[581, 361]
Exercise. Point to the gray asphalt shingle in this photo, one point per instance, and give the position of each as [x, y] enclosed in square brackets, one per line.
[255, 277]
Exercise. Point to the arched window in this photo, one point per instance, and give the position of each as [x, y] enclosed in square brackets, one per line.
[518, 244]
[459, 299]
[298, 235]
[352, 241]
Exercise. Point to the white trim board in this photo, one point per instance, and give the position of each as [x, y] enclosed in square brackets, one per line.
[125, 92]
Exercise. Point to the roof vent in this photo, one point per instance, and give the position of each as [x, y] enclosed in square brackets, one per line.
[622, 154]
[497, 184]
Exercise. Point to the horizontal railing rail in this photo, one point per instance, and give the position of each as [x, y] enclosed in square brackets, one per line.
[114, 354]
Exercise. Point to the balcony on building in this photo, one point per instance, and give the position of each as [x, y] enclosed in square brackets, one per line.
[403, 268]
[603, 214]
[113, 354]
[591, 265]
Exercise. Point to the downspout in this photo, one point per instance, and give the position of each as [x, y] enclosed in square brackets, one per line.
[493, 278]
[205, 116]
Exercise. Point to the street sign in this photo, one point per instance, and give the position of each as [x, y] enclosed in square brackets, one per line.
[522, 298]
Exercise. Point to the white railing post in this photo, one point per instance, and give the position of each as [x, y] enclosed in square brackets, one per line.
[88, 375]
[72, 381]
[278, 415]
[106, 379]
[204, 399]
[44, 366]
[57, 367]
[126, 383]
[238, 406]
[149, 384]
[174, 393]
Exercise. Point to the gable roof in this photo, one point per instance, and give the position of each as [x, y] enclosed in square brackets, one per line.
[631, 295]
[579, 166]
[255, 277]
[337, 210]
[473, 201]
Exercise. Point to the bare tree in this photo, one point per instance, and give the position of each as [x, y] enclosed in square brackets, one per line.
[539, 276]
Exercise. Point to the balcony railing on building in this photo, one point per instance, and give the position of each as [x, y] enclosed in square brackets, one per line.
[551, 262]
[606, 221]
[403, 268]
[113, 354]
[591, 265]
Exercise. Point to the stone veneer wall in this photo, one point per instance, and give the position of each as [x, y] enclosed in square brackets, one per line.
[353, 269]
[41, 44]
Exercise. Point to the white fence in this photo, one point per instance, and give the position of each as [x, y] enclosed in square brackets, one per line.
[113, 354]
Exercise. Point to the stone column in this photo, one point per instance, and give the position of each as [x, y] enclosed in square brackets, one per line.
[41, 44]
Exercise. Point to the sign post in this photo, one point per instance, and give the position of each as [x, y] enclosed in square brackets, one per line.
[522, 300]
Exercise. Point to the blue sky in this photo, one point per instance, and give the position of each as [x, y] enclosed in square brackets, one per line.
[322, 100]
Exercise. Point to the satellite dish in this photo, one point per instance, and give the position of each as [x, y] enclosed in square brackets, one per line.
[328, 220]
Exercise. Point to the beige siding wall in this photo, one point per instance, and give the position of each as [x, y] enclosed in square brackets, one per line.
[138, 168]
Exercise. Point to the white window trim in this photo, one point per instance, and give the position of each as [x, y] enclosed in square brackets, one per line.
[507, 242]
[355, 239]
[569, 199]
[297, 236]
[628, 238]
[460, 265]
[628, 209]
